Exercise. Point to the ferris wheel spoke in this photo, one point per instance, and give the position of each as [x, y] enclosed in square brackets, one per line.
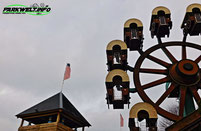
[165, 94]
[153, 71]
[155, 83]
[169, 55]
[182, 101]
[184, 52]
[198, 59]
[161, 62]
[195, 94]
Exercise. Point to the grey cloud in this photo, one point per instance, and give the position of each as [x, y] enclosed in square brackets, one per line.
[35, 49]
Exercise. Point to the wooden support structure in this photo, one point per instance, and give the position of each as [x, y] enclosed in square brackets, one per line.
[22, 122]
[58, 117]
[53, 114]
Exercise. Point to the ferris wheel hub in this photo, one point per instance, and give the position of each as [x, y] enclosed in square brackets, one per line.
[188, 66]
[185, 72]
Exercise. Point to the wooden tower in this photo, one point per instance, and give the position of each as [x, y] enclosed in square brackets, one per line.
[53, 114]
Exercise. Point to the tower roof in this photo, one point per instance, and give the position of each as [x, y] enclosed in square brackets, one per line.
[56, 103]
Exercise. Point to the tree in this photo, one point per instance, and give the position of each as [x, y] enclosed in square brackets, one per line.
[163, 122]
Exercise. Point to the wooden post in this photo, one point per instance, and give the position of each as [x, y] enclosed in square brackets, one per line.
[134, 128]
[58, 117]
[22, 123]
[82, 128]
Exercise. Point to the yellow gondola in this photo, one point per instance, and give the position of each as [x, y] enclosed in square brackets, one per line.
[142, 111]
[133, 34]
[160, 22]
[117, 80]
[192, 20]
[116, 55]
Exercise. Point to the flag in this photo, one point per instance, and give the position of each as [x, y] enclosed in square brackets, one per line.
[121, 121]
[67, 72]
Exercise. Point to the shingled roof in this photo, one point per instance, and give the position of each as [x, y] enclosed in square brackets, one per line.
[56, 103]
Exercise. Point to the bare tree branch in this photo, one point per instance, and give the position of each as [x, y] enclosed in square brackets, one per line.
[163, 122]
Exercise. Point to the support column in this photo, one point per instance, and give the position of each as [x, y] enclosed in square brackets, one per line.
[22, 123]
[189, 103]
[58, 117]
[134, 128]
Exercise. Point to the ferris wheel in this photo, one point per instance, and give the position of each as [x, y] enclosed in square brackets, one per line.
[182, 75]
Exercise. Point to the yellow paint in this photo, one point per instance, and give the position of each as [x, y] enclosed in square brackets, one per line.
[117, 72]
[155, 10]
[117, 42]
[136, 21]
[143, 106]
[190, 7]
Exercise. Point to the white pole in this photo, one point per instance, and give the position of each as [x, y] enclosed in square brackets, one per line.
[62, 85]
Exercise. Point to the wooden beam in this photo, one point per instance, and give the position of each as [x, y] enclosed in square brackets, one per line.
[58, 118]
[30, 117]
[38, 113]
[22, 122]
[73, 119]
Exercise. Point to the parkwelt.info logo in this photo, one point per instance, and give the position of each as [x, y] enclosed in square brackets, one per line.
[34, 9]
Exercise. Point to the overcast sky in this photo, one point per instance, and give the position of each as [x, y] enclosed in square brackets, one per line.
[34, 51]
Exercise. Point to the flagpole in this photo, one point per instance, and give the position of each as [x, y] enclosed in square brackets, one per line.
[62, 86]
